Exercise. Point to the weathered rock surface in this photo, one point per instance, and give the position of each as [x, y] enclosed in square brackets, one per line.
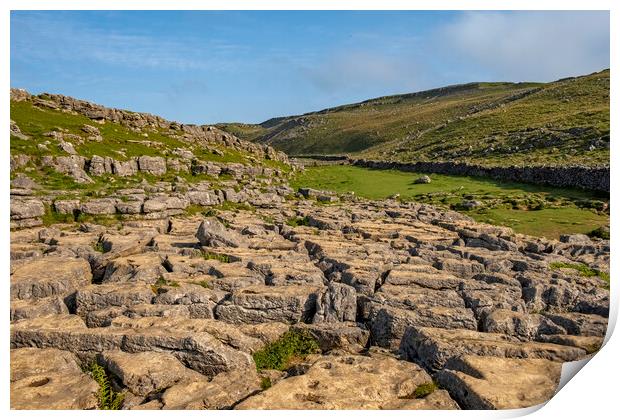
[485, 383]
[433, 347]
[351, 382]
[213, 233]
[256, 304]
[146, 372]
[173, 305]
[48, 379]
[199, 351]
[50, 276]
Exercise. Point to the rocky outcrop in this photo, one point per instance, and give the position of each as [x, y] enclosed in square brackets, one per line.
[393, 296]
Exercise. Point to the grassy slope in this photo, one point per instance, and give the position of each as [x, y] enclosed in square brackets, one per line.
[523, 123]
[35, 122]
[504, 203]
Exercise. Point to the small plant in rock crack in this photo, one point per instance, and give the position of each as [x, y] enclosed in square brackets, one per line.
[298, 221]
[161, 281]
[291, 345]
[265, 383]
[424, 390]
[219, 257]
[108, 398]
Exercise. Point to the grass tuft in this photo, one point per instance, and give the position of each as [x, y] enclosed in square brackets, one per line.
[265, 383]
[424, 390]
[278, 354]
[583, 270]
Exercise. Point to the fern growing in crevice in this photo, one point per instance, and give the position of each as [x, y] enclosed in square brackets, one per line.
[108, 398]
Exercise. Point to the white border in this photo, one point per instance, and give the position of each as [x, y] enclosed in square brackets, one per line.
[591, 394]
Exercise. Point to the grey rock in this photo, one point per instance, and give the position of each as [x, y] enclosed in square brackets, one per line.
[26, 209]
[48, 379]
[203, 198]
[50, 276]
[67, 206]
[424, 179]
[213, 233]
[152, 165]
[146, 372]
[96, 297]
[22, 181]
[125, 168]
[99, 206]
[337, 304]
[98, 165]
[258, 304]
[200, 351]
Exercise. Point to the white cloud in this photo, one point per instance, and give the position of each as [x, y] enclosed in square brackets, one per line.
[529, 45]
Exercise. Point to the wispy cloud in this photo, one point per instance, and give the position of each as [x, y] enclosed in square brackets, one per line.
[356, 69]
[52, 37]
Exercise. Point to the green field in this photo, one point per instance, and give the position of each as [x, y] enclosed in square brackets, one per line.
[529, 209]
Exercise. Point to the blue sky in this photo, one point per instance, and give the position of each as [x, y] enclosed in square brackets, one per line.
[206, 67]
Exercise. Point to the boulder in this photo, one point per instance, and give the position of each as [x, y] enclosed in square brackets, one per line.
[222, 392]
[527, 326]
[26, 209]
[200, 351]
[346, 336]
[67, 206]
[96, 297]
[213, 233]
[337, 304]
[145, 267]
[580, 324]
[98, 165]
[388, 324]
[67, 148]
[37, 307]
[152, 165]
[203, 198]
[129, 206]
[577, 238]
[125, 168]
[22, 181]
[164, 202]
[99, 206]
[424, 179]
[69, 165]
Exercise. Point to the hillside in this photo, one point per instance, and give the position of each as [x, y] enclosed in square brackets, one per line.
[155, 265]
[499, 124]
[83, 161]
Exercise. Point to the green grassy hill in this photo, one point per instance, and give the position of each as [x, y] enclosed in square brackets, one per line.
[562, 122]
[44, 123]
